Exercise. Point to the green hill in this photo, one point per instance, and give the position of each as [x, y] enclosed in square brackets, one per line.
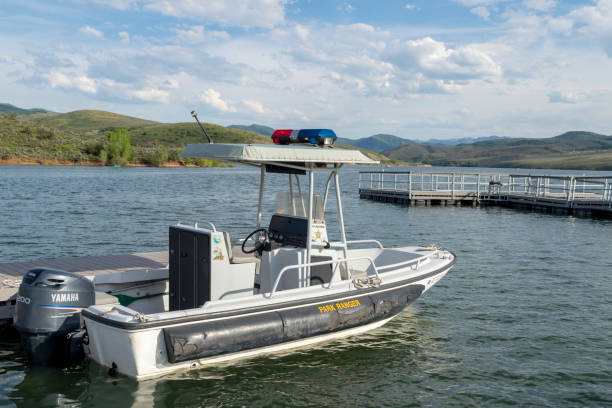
[571, 150]
[88, 121]
[261, 129]
[180, 134]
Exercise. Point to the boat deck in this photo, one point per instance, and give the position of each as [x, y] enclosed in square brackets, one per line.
[12, 272]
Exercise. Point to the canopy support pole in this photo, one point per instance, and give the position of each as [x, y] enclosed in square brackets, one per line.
[291, 193]
[341, 220]
[309, 236]
[297, 179]
[327, 190]
[261, 190]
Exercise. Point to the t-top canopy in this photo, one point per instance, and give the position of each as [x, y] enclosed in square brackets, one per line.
[262, 153]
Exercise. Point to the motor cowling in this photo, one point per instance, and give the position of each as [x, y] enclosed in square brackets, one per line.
[47, 313]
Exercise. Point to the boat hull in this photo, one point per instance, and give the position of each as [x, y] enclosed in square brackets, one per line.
[148, 351]
[224, 336]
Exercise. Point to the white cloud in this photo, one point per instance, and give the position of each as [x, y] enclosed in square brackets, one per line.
[472, 3]
[213, 98]
[411, 7]
[563, 97]
[482, 12]
[346, 7]
[81, 83]
[561, 25]
[540, 5]
[197, 34]
[151, 95]
[237, 13]
[125, 37]
[118, 4]
[91, 32]
[255, 106]
[435, 60]
[302, 32]
[595, 22]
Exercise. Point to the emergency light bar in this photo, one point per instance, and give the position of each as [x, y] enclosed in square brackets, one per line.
[321, 137]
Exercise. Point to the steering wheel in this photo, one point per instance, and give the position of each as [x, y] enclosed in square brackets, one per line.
[262, 241]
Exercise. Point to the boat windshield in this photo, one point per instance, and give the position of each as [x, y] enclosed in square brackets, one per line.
[297, 205]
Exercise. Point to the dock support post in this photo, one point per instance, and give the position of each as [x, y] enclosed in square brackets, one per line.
[453, 188]
[410, 186]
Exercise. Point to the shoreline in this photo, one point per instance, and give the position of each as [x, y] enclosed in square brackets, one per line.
[49, 162]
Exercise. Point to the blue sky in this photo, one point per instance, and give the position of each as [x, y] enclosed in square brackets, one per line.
[416, 69]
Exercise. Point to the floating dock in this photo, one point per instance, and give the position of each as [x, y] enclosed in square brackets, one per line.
[12, 273]
[563, 194]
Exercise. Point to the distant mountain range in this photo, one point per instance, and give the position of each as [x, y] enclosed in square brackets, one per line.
[77, 136]
[380, 142]
[571, 150]
[261, 129]
[8, 108]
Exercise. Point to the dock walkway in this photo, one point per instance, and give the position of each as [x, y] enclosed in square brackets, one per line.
[571, 194]
[11, 273]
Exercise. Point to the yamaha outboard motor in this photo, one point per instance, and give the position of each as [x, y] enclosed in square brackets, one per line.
[47, 313]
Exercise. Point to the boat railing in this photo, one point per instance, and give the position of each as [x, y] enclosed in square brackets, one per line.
[416, 262]
[330, 262]
[359, 241]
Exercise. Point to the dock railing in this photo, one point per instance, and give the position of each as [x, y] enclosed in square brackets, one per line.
[569, 188]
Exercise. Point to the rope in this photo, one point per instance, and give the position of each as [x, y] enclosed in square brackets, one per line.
[371, 282]
[11, 283]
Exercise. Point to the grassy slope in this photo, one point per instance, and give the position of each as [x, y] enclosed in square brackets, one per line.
[572, 150]
[180, 134]
[88, 121]
[94, 124]
[25, 140]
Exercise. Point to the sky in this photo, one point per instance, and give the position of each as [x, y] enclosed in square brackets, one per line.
[415, 69]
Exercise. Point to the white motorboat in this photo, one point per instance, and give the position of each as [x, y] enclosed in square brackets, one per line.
[286, 286]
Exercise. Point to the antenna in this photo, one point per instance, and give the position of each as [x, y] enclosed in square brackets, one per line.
[195, 115]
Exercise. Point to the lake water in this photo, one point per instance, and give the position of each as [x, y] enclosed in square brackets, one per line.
[525, 317]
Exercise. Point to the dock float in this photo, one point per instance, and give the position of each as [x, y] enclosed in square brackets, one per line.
[11, 273]
[563, 194]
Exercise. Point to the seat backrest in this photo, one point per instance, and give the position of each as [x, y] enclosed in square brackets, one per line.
[228, 245]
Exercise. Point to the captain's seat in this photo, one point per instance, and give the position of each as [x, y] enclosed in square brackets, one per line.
[236, 256]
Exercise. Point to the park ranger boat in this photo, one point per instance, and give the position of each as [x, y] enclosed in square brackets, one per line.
[286, 286]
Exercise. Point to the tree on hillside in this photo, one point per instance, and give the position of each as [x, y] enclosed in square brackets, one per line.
[119, 149]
